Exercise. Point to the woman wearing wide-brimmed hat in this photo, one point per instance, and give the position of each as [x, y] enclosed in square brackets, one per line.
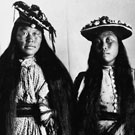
[105, 92]
[35, 87]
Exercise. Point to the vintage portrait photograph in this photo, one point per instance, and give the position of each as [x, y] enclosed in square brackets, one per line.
[67, 67]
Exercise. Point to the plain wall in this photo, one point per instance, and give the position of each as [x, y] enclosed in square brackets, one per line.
[68, 17]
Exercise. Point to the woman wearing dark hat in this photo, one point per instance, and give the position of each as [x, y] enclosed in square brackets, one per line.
[106, 98]
[35, 87]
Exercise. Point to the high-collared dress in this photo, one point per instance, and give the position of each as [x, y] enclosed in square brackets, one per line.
[32, 100]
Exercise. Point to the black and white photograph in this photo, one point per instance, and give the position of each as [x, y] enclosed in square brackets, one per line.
[67, 67]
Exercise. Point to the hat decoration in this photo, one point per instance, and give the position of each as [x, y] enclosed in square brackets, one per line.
[36, 16]
[121, 29]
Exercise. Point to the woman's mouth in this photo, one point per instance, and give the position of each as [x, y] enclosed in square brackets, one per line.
[29, 47]
[105, 54]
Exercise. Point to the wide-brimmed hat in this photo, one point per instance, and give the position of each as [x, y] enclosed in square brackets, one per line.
[34, 17]
[95, 27]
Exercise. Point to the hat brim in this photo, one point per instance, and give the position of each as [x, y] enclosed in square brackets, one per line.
[121, 31]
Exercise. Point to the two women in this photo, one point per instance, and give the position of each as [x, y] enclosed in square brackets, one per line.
[36, 91]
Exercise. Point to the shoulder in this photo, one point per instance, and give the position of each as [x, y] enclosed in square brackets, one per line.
[79, 77]
[133, 76]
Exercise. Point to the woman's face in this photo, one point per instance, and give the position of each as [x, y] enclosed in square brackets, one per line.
[107, 47]
[29, 40]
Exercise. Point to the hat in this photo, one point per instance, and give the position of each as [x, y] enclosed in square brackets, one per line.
[122, 30]
[33, 16]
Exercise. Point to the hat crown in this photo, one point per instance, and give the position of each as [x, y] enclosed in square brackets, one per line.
[33, 13]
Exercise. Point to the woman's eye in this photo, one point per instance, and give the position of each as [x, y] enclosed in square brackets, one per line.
[24, 33]
[36, 34]
[109, 40]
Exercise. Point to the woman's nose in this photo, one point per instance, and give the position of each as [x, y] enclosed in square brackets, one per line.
[105, 46]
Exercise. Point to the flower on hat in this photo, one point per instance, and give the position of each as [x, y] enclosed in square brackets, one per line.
[97, 22]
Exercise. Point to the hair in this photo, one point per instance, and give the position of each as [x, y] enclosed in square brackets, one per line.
[56, 75]
[89, 99]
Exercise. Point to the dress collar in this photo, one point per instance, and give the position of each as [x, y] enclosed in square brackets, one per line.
[108, 67]
[27, 61]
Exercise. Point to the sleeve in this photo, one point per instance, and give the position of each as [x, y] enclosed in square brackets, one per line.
[44, 108]
[79, 84]
[46, 113]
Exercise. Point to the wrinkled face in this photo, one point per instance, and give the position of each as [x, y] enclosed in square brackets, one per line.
[29, 40]
[107, 46]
